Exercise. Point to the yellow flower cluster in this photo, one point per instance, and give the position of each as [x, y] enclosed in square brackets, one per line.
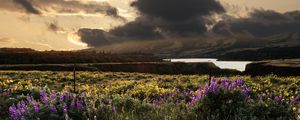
[23, 85]
[17, 85]
[148, 90]
[6, 83]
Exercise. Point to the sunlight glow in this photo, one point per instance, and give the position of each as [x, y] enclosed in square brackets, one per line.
[75, 39]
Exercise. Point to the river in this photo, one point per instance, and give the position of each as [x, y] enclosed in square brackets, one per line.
[238, 65]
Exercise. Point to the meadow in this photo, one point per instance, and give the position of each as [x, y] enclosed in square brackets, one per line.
[36, 95]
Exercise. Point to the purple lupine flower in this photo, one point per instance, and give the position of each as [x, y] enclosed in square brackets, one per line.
[73, 104]
[277, 99]
[240, 82]
[168, 95]
[296, 99]
[4, 94]
[246, 91]
[225, 83]
[53, 91]
[65, 108]
[79, 104]
[22, 108]
[52, 108]
[233, 84]
[196, 97]
[29, 98]
[64, 97]
[35, 106]
[114, 109]
[43, 93]
[213, 79]
[14, 113]
[61, 98]
[44, 97]
[156, 102]
[53, 95]
[194, 100]
[206, 90]
[213, 86]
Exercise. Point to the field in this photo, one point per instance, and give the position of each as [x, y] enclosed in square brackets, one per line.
[138, 96]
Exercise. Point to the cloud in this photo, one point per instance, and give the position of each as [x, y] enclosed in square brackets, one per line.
[137, 30]
[5, 40]
[59, 6]
[95, 37]
[160, 19]
[261, 23]
[27, 6]
[54, 27]
[177, 10]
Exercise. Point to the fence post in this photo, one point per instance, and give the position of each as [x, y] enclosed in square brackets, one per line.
[74, 79]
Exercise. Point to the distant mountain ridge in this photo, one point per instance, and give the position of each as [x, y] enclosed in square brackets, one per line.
[274, 47]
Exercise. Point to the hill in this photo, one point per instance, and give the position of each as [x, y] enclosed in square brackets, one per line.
[30, 56]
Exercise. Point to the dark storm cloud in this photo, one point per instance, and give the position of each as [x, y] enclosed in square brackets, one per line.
[267, 15]
[94, 37]
[261, 23]
[27, 6]
[176, 17]
[137, 30]
[166, 18]
[178, 10]
[152, 30]
[58, 6]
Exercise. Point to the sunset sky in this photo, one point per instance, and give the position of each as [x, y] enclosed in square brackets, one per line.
[80, 24]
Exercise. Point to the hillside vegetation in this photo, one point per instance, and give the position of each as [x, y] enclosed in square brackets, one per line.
[29, 56]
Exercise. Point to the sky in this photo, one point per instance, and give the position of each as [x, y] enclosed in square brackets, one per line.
[81, 24]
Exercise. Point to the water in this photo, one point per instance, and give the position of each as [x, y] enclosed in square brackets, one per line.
[238, 65]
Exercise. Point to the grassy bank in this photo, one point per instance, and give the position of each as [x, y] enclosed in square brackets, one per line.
[284, 67]
[141, 67]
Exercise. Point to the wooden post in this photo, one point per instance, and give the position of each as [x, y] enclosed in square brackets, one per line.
[209, 76]
[74, 80]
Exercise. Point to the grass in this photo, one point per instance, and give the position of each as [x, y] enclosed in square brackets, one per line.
[142, 90]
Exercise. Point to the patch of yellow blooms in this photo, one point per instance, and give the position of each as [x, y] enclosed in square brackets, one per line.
[6, 83]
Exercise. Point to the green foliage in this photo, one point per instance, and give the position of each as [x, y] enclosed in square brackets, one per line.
[222, 106]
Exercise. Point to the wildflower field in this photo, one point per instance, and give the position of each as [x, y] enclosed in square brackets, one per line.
[35, 95]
